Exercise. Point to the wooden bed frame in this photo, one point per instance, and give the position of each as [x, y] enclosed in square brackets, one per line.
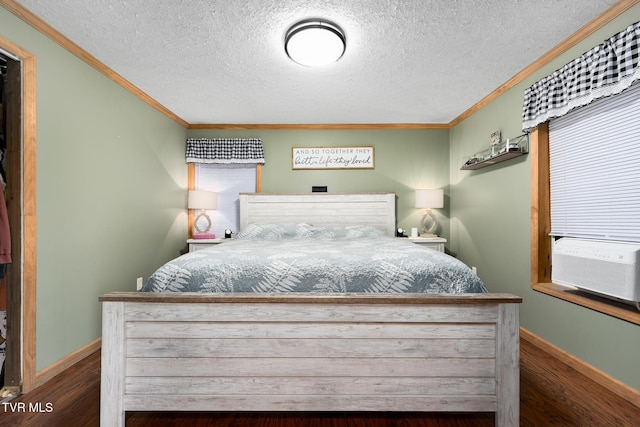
[310, 352]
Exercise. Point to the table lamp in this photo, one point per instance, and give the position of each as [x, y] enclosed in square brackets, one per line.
[203, 200]
[429, 199]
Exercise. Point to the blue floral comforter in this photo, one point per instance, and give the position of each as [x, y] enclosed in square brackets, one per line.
[303, 258]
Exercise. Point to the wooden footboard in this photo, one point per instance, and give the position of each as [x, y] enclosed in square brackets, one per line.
[257, 352]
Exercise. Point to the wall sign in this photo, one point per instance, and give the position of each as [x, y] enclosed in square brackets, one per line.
[332, 158]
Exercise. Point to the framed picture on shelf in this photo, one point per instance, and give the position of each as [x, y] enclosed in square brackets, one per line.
[495, 138]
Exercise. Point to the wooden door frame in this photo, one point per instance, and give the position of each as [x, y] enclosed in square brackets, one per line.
[22, 296]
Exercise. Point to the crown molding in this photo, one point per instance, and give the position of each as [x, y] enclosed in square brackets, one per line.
[311, 126]
[597, 23]
[33, 20]
[613, 12]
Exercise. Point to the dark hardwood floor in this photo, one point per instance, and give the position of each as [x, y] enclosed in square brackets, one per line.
[552, 394]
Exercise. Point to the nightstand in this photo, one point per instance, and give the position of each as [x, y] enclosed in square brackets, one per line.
[436, 243]
[198, 244]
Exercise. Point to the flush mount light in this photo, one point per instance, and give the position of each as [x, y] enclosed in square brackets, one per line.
[315, 42]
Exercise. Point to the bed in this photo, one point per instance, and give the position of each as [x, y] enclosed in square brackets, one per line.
[280, 344]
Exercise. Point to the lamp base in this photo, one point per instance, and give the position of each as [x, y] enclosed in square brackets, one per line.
[429, 224]
[202, 217]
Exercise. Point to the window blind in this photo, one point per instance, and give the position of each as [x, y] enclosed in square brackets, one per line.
[228, 180]
[594, 169]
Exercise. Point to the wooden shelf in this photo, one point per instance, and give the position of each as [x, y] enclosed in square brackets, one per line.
[493, 160]
[509, 149]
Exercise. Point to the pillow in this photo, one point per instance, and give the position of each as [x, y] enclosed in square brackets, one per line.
[275, 231]
[347, 233]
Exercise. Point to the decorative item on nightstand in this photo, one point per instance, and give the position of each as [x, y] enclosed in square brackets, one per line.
[202, 200]
[429, 199]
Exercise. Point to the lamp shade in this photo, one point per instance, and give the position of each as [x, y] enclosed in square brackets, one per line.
[315, 42]
[199, 199]
[429, 199]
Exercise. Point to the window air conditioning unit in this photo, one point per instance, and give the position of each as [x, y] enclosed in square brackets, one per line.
[607, 268]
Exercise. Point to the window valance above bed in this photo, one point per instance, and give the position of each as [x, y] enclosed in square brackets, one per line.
[607, 69]
[225, 150]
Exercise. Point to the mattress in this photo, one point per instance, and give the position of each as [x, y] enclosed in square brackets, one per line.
[276, 258]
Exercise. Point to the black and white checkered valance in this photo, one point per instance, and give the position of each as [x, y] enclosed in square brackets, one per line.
[607, 69]
[225, 150]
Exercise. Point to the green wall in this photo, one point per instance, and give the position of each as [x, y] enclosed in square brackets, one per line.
[111, 183]
[404, 161]
[490, 226]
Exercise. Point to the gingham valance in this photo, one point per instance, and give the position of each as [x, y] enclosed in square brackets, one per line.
[225, 150]
[607, 69]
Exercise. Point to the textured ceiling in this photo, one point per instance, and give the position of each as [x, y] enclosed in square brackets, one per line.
[407, 61]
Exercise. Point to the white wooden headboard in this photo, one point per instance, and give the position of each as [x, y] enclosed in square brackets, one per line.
[328, 209]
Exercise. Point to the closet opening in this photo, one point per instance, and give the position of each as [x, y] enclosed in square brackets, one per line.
[11, 219]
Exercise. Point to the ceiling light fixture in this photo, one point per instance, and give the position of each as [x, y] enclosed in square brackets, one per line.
[315, 42]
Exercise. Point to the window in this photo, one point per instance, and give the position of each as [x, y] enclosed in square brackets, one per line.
[227, 166]
[583, 86]
[541, 242]
[228, 180]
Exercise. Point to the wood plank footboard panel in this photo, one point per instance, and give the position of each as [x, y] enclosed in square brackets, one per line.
[312, 354]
